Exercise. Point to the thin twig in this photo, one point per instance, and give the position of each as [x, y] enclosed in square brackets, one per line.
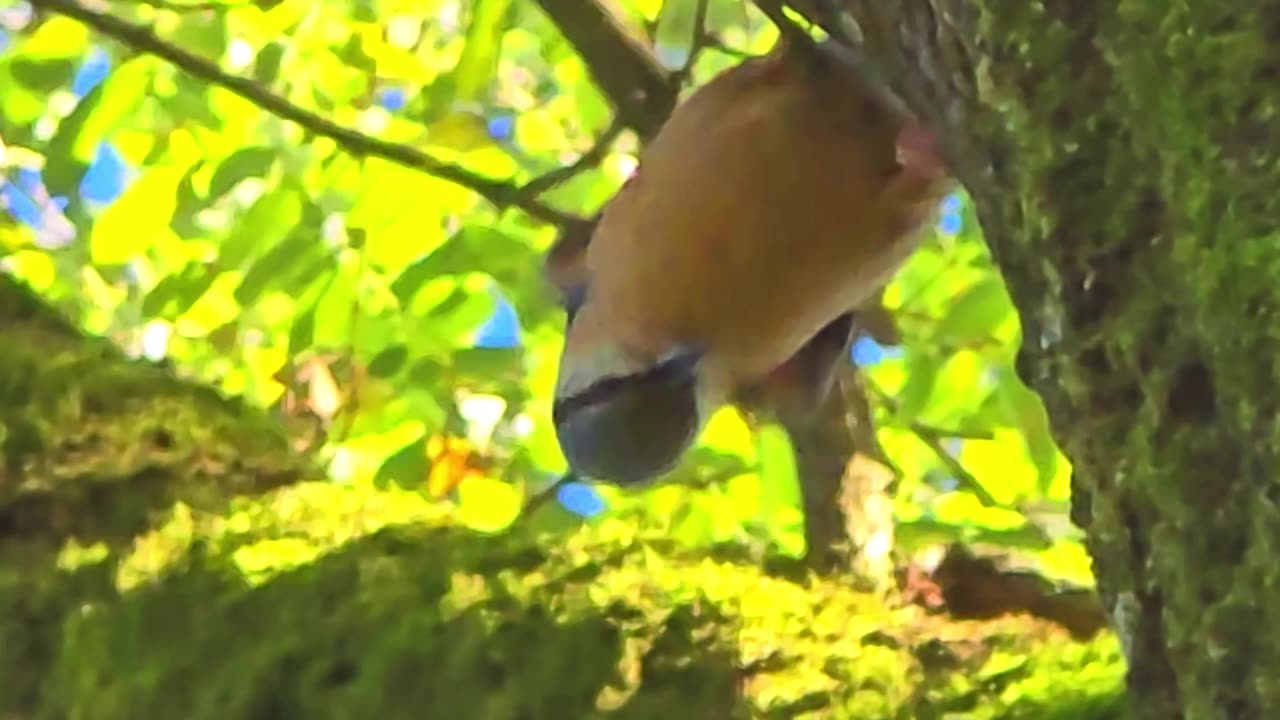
[501, 193]
[934, 441]
[547, 494]
[954, 433]
[714, 42]
[701, 39]
[590, 158]
[624, 69]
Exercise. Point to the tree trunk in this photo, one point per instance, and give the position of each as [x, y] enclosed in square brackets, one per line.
[1123, 161]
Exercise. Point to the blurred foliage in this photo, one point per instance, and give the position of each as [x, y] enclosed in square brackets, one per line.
[399, 323]
[324, 601]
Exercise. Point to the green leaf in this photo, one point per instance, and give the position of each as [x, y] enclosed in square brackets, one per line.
[913, 534]
[193, 102]
[266, 67]
[271, 268]
[176, 293]
[352, 54]
[977, 313]
[264, 224]
[187, 202]
[779, 479]
[122, 94]
[471, 249]
[487, 505]
[1001, 664]
[56, 37]
[137, 219]
[366, 12]
[336, 308]
[478, 64]
[63, 170]
[43, 76]
[317, 266]
[1026, 411]
[203, 33]
[18, 105]
[478, 363]
[302, 332]
[402, 210]
[453, 321]
[959, 386]
[243, 163]
[460, 131]
[437, 98]
[406, 467]
[922, 374]
[389, 362]
[427, 372]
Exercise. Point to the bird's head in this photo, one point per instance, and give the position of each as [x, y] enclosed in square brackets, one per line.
[624, 418]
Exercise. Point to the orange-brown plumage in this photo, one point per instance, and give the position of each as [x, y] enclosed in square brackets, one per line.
[775, 200]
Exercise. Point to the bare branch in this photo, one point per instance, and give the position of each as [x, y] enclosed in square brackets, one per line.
[640, 89]
[714, 42]
[590, 158]
[701, 39]
[930, 437]
[501, 193]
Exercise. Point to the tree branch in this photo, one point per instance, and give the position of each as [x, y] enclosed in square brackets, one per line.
[590, 158]
[700, 40]
[501, 193]
[932, 440]
[642, 92]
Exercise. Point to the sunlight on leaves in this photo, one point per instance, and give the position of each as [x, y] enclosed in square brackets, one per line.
[488, 505]
[138, 219]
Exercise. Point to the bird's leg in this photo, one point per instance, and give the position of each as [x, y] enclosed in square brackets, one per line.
[566, 264]
[922, 180]
[917, 150]
[795, 389]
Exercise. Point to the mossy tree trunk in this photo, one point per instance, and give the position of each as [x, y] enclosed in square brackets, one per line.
[1124, 161]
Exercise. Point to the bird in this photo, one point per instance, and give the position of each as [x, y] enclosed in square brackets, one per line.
[777, 197]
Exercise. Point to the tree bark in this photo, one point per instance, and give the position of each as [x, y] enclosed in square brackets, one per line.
[1123, 162]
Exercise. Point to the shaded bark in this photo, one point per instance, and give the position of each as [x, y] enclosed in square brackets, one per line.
[642, 92]
[1123, 164]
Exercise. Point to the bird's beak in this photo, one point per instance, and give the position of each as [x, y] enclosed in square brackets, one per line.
[632, 428]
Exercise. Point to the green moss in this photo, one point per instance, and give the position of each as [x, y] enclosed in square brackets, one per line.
[166, 599]
[91, 441]
[321, 601]
[1134, 221]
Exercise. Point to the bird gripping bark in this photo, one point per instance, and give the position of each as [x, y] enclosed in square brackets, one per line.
[776, 198]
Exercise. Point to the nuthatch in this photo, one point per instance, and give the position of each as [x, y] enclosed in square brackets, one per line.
[778, 197]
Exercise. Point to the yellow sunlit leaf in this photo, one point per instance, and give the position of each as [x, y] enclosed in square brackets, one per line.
[137, 219]
[488, 505]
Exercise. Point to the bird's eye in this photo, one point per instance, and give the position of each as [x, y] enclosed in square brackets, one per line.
[574, 298]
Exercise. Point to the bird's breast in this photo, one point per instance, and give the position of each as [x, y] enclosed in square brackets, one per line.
[757, 216]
